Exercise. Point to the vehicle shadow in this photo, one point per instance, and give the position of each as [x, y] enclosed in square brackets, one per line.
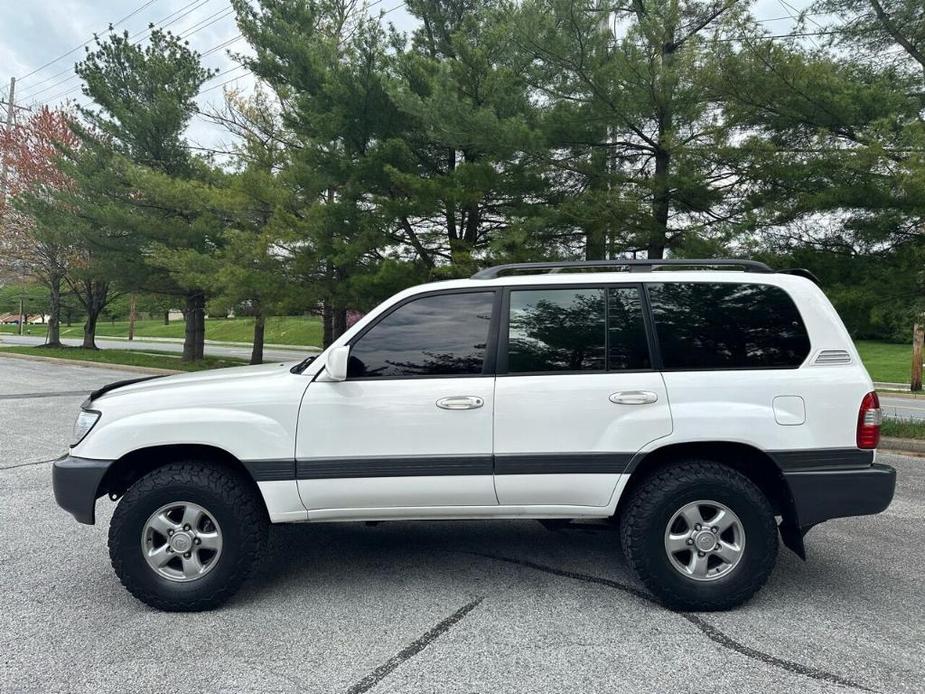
[359, 553]
[359, 557]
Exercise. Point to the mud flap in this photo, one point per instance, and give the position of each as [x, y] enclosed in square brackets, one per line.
[792, 536]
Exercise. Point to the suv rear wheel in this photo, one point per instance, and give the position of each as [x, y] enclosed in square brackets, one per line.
[185, 536]
[700, 536]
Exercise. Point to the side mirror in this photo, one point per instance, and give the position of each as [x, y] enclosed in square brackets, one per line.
[336, 363]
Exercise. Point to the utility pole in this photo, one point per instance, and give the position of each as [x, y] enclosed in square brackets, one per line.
[10, 106]
[918, 339]
[22, 316]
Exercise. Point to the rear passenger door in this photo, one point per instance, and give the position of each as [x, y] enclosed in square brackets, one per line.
[728, 352]
[576, 394]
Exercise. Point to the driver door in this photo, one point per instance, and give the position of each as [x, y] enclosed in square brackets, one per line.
[411, 426]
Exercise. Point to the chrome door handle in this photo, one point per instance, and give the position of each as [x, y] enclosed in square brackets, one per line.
[460, 402]
[633, 397]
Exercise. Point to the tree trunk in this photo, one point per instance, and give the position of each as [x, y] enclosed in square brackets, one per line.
[54, 313]
[661, 182]
[93, 315]
[166, 317]
[596, 231]
[327, 323]
[195, 333]
[339, 322]
[257, 351]
[131, 319]
[661, 205]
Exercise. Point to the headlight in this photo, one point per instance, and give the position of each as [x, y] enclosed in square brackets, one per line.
[85, 421]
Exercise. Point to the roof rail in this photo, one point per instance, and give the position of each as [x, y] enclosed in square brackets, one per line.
[802, 272]
[632, 264]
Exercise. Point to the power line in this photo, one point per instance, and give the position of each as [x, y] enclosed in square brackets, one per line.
[786, 5]
[209, 89]
[198, 26]
[74, 50]
[204, 23]
[222, 45]
[198, 3]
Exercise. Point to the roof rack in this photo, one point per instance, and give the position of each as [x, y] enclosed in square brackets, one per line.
[632, 264]
[802, 272]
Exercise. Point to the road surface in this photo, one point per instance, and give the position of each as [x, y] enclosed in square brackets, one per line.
[493, 607]
[243, 352]
[902, 408]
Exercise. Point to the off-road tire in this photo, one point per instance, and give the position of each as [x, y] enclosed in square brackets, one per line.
[644, 519]
[236, 507]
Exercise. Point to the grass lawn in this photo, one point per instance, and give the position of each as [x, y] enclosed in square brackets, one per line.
[886, 362]
[282, 330]
[903, 428]
[124, 356]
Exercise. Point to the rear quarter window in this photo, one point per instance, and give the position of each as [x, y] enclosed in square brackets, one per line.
[703, 325]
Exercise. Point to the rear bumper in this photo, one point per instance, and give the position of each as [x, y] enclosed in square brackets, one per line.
[819, 495]
[76, 482]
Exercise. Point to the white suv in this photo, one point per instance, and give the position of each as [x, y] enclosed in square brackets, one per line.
[701, 410]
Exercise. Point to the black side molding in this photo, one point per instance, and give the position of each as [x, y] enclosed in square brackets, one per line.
[822, 458]
[271, 470]
[562, 463]
[438, 466]
[393, 466]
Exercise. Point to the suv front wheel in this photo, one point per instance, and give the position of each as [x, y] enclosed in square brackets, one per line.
[185, 536]
[700, 536]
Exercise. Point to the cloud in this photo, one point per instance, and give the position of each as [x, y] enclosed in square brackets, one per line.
[36, 32]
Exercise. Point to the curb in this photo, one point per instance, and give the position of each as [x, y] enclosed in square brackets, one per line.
[95, 364]
[905, 394]
[907, 445]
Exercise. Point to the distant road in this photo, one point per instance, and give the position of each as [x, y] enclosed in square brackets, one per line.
[269, 353]
[902, 408]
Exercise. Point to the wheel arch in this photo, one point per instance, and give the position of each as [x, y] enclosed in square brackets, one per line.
[132, 466]
[752, 462]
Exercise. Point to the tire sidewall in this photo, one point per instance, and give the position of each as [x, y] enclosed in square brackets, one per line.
[757, 522]
[137, 509]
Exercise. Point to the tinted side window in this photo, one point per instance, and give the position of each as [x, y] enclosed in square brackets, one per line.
[627, 347]
[556, 330]
[727, 326]
[433, 336]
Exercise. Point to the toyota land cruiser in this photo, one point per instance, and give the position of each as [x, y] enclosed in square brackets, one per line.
[703, 407]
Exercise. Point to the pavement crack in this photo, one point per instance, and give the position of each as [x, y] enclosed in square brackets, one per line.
[58, 394]
[712, 632]
[413, 648]
[34, 462]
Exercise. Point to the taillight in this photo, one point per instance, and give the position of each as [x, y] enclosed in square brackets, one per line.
[869, 418]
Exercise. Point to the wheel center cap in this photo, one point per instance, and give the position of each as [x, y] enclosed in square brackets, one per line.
[181, 542]
[705, 540]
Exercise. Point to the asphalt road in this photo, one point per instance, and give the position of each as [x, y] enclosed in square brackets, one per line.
[436, 607]
[902, 408]
[269, 353]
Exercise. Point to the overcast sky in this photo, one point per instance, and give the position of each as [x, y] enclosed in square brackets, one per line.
[34, 33]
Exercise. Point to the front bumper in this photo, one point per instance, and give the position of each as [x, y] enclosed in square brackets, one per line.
[819, 495]
[76, 482]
